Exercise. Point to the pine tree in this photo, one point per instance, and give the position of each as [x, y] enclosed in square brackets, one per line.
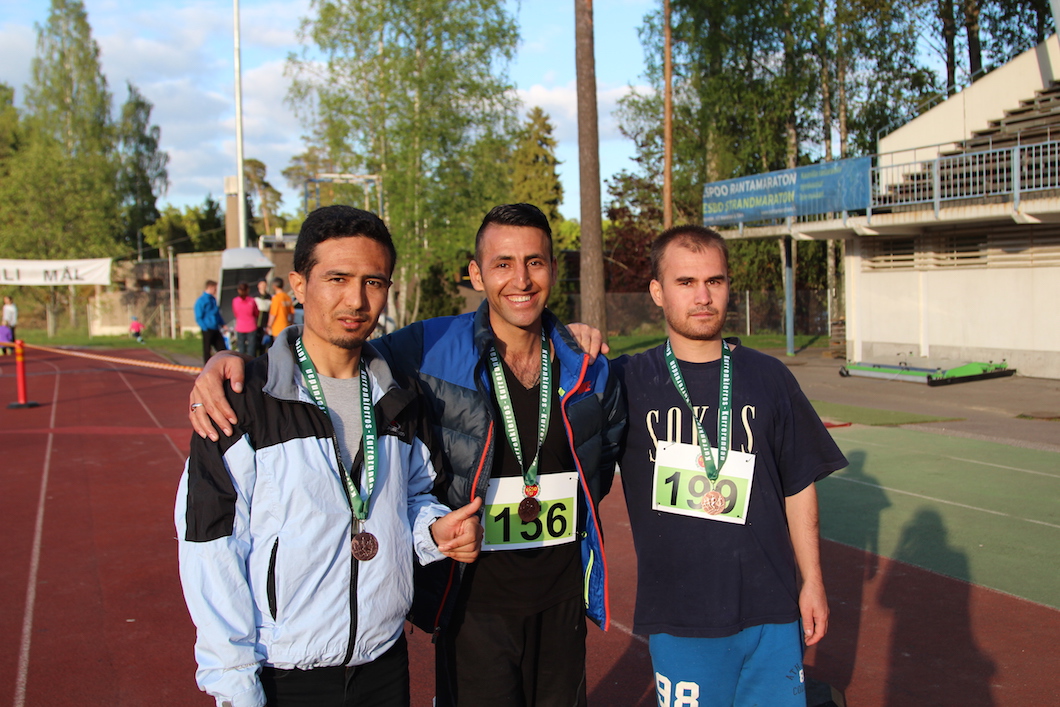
[58, 199]
[143, 176]
[534, 176]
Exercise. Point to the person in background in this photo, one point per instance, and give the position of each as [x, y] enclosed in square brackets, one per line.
[281, 309]
[208, 317]
[7, 336]
[136, 329]
[245, 310]
[10, 315]
[264, 302]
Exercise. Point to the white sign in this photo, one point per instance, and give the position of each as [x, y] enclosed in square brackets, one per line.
[94, 271]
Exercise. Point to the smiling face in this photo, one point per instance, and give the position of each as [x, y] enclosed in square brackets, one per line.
[344, 292]
[515, 268]
[693, 291]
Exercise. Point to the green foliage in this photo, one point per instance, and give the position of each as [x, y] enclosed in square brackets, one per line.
[67, 97]
[193, 229]
[533, 163]
[1012, 26]
[414, 91]
[567, 235]
[268, 197]
[439, 294]
[10, 131]
[142, 176]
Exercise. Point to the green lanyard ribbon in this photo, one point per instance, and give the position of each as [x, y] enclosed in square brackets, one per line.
[724, 409]
[368, 439]
[504, 400]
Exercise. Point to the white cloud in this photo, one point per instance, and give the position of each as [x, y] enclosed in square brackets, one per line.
[561, 103]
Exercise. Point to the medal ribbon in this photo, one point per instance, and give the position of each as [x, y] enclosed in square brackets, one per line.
[724, 409]
[504, 400]
[368, 440]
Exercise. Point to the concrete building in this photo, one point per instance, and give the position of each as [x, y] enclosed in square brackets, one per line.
[957, 255]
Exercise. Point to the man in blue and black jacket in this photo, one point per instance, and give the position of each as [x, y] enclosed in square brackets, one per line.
[525, 421]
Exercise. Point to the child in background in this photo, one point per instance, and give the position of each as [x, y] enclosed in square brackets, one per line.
[7, 336]
[136, 329]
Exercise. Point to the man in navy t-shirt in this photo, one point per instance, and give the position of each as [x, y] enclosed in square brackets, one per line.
[723, 531]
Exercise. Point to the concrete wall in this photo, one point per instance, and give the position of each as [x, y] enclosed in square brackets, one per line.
[962, 314]
[196, 268]
[973, 108]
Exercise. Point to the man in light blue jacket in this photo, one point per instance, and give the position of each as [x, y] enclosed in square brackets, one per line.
[297, 533]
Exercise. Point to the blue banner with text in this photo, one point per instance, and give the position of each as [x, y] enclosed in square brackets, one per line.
[837, 186]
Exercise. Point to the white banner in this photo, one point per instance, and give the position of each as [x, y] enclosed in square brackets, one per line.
[95, 271]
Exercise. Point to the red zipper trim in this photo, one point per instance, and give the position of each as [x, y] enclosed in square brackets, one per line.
[481, 461]
[585, 487]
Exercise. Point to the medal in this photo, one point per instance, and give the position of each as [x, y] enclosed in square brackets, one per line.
[364, 546]
[529, 507]
[713, 502]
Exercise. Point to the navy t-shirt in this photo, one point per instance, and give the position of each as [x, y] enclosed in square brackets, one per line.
[700, 578]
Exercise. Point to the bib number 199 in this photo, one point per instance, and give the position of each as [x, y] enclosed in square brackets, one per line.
[696, 486]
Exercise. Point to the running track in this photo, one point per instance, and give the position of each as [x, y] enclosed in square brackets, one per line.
[91, 611]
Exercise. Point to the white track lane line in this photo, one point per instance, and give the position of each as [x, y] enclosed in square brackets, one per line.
[22, 674]
[940, 500]
[149, 413]
[959, 459]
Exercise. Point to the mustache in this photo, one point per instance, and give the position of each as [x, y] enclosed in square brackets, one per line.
[703, 310]
[354, 315]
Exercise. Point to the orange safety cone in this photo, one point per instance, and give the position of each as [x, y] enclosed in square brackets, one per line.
[20, 377]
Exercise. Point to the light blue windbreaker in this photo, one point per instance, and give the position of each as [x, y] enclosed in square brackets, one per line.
[264, 532]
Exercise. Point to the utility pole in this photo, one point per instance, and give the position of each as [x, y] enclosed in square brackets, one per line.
[241, 192]
[594, 308]
[668, 122]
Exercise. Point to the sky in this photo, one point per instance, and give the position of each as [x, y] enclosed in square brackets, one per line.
[179, 54]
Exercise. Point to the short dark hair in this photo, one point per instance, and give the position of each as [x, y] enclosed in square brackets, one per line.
[209, 284]
[242, 289]
[514, 215]
[338, 221]
[695, 238]
[277, 282]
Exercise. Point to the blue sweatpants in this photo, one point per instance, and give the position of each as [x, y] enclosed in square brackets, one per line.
[758, 667]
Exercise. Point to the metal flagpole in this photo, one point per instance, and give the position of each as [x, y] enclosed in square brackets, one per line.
[240, 179]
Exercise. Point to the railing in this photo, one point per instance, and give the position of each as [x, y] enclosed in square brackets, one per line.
[975, 175]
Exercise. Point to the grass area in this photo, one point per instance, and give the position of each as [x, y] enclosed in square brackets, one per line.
[79, 337]
[635, 343]
[870, 416]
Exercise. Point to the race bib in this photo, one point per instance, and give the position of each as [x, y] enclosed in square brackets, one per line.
[555, 524]
[680, 484]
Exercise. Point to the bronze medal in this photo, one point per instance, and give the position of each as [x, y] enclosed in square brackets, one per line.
[714, 503]
[529, 508]
[364, 546]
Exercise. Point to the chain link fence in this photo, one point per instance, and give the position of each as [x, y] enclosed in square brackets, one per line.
[749, 313]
